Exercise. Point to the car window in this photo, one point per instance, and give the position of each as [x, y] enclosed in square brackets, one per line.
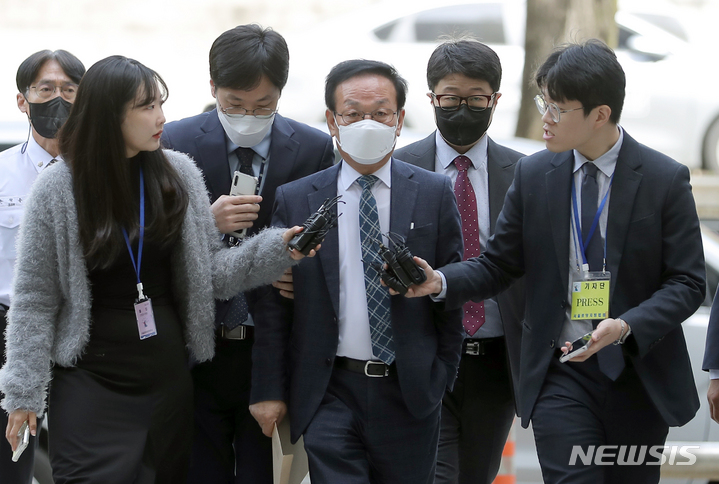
[482, 21]
[383, 32]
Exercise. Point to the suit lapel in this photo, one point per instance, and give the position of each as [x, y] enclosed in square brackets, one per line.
[558, 188]
[212, 156]
[403, 199]
[500, 175]
[421, 154]
[329, 256]
[283, 153]
[621, 202]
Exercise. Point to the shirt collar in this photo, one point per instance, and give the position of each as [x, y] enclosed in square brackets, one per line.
[262, 148]
[605, 163]
[446, 154]
[37, 155]
[349, 175]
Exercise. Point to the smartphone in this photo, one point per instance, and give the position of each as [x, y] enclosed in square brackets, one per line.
[579, 346]
[242, 184]
[24, 437]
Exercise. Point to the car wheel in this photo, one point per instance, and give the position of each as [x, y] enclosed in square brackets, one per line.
[710, 151]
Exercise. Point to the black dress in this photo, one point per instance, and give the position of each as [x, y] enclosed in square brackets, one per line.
[124, 413]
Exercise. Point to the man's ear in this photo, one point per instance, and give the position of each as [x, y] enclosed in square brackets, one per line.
[400, 122]
[603, 114]
[332, 124]
[23, 105]
[212, 88]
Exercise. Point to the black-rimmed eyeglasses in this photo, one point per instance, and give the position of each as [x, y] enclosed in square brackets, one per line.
[452, 102]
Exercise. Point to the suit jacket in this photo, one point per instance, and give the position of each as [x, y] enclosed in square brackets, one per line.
[501, 162]
[654, 255]
[296, 150]
[711, 352]
[293, 355]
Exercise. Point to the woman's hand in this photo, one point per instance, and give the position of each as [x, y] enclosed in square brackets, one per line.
[296, 254]
[15, 421]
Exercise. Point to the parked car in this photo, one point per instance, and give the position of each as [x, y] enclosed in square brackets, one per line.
[671, 102]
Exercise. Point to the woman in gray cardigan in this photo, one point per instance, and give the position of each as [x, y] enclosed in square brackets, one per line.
[111, 329]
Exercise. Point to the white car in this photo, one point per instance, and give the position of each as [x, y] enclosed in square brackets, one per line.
[671, 104]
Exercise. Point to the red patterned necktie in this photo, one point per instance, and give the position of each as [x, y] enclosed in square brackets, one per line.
[467, 203]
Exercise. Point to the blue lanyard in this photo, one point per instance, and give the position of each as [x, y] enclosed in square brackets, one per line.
[138, 265]
[578, 226]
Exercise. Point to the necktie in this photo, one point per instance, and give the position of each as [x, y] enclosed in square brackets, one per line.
[238, 311]
[377, 296]
[610, 358]
[245, 156]
[467, 203]
[590, 197]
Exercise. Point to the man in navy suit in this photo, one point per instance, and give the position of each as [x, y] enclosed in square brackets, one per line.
[248, 69]
[596, 212]
[464, 76]
[363, 374]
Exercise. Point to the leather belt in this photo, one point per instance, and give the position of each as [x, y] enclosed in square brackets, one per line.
[372, 369]
[241, 332]
[476, 347]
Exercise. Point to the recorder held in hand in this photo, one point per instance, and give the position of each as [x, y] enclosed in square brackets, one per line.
[402, 271]
[316, 227]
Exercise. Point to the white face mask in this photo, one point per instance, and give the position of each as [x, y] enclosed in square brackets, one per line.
[367, 141]
[245, 131]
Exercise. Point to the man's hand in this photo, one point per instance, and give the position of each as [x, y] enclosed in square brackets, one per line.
[607, 332]
[713, 397]
[234, 213]
[296, 254]
[285, 285]
[15, 421]
[433, 284]
[268, 413]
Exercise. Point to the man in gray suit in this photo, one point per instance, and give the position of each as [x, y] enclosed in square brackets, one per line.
[464, 77]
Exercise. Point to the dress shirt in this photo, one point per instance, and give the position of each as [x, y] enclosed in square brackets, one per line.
[571, 330]
[354, 330]
[18, 171]
[479, 177]
[262, 155]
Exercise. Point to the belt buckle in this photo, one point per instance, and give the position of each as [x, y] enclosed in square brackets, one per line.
[367, 365]
[473, 348]
[238, 333]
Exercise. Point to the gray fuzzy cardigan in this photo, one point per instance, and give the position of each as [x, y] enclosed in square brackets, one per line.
[49, 321]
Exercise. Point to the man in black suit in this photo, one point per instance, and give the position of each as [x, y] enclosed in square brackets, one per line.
[602, 213]
[363, 374]
[248, 69]
[464, 76]
[711, 360]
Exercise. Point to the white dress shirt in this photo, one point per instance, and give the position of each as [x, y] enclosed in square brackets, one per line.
[479, 178]
[354, 330]
[18, 171]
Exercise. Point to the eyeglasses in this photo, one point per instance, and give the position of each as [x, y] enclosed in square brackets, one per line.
[451, 102]
[383, 116]
[262, 113]
[45, 91]
[554, 112]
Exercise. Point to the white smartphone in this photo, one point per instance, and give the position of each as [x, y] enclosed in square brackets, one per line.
[24, 437]
[242, 184]
[579, 346]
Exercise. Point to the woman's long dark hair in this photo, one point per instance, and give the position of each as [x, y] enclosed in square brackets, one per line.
[105, 181]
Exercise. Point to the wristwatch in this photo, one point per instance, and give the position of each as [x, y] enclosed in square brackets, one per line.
[623, 335]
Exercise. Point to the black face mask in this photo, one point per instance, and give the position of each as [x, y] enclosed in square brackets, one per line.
[464, 126]
[47, 118]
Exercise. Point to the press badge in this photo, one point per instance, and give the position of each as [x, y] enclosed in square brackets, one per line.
[145, 319]
[590, 296]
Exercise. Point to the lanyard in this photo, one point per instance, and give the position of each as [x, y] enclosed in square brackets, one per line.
[578, 226]
[138, 265]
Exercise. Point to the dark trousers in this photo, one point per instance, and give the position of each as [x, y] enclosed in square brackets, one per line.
[579, 406]
[476, 418]
[363, 433]
[19, 472]
[229, 447]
